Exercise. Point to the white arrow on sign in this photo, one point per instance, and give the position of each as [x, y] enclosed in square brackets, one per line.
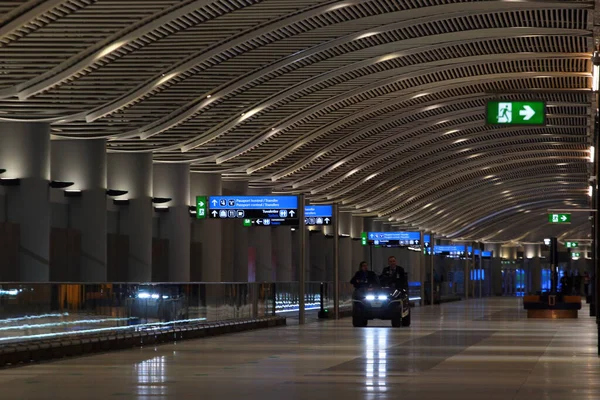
[527, 113]
[214, 202]
[292, 213]
[563, 218]
[200, 204]
[214, 213]
[326, 220]
[259, 221]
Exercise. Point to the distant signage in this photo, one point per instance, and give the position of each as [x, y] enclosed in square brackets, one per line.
[255, 210]
[394, 239]
[575, 255]
[507, 112]
[318, 215]
[457, 250]
[572, 245]
[486, 254]
[559, 218]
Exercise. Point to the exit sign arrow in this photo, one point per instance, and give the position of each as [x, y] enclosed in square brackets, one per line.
[527, 112]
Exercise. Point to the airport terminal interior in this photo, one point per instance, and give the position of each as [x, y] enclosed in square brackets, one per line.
[315, 199]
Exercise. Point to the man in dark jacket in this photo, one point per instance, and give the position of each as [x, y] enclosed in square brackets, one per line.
[393, 275]
[364, 277]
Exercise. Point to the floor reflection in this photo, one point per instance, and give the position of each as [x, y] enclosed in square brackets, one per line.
[151, 377]
[376, 359]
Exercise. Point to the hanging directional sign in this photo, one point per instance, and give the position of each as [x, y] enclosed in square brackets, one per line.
[318, 215]
[575, 255]
[255, 210]
[506, 112]
[571, 245]
[455, 251]
[559, 218]
[394, 239]
[201, 207]
[426, 240]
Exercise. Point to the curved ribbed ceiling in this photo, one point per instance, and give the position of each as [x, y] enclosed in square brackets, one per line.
[378, 105]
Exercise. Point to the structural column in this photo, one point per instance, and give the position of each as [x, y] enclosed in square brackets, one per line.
[359, 252]
[344, 230]
[173, 181]
[83, 162]
[133, 172]
[260, 241]
[282, 246]
[377, 260]
[235, 235]
[317, 244]
[532, 253]
[207, 231]
[25, 154]
[496, 267]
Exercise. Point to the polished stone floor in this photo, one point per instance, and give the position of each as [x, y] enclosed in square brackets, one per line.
[475, 350]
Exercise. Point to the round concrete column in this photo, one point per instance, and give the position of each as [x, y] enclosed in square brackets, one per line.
[173, 181]
[235, 234]
[495, 248]
[318, 261]
[532, 253]
[379, 263]
[357, 227]
[207, 231]
[496, 267]
[282, 248]
[260, 241]
[83, 162]
[25, 154]
[532, 250]
[359, 252]
[509, 252]
[133, 172]
[345, 246]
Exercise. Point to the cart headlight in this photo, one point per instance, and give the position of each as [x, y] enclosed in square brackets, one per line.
[370, 297]
[382, 297]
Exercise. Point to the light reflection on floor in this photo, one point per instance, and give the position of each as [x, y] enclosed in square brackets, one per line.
[476, 350]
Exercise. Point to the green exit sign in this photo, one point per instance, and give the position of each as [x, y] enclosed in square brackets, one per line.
[575, 255]
[363, 238]
[201, 207]
[572, 245]
[559, 218]
[506, 112]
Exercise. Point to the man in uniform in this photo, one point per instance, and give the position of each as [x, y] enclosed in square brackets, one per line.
[393, 275]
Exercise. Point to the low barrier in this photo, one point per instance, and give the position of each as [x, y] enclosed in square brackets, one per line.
[82, 344]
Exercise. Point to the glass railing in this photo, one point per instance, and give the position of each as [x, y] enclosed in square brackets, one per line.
[49, 310]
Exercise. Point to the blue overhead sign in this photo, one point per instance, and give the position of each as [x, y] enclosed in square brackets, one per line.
[426, 240]
[457, 250]
[394, 238]
[255, 210]
[318, 215]
[487, 253]
[252, 202]
[318, 211]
